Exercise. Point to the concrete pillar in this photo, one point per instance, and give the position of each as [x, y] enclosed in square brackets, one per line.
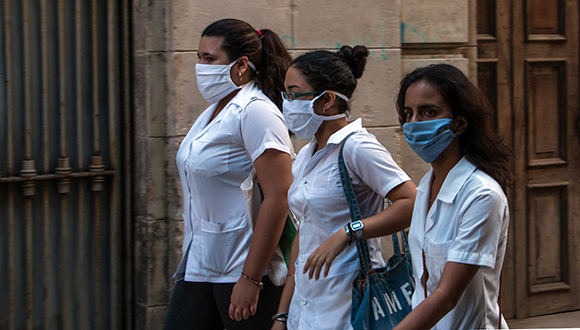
[151, 94]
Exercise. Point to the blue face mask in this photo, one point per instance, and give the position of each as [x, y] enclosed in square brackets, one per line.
[429, 138]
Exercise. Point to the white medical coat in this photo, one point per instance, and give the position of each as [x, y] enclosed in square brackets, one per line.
[467, 223]
[317, 198]
[212, 163]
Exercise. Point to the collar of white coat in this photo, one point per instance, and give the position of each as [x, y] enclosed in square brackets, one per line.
[245, 94]
[455, 179]
[342, 133]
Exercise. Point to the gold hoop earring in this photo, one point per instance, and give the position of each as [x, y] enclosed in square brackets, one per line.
[324, 110]
[240, 74]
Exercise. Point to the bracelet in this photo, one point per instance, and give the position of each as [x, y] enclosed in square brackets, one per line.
[289, 275]
[282, 318]
[256, 282]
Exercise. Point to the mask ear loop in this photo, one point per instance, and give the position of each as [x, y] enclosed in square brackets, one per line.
[338, 95]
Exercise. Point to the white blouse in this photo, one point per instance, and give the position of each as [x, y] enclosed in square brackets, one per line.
[317, 198]
[467, 223]
[212, 163]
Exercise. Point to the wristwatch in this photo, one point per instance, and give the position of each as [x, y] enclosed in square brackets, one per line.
[348, 233]
[357, 230]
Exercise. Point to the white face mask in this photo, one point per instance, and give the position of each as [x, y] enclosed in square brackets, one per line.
[214, 81]
[301, 119]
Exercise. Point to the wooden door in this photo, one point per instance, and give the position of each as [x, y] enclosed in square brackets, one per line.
[528, 64]
[545, 112]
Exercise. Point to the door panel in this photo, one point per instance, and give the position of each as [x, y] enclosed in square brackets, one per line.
[528, 67]
[545, 108]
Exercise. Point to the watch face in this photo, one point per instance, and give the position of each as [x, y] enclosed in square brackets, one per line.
[358, 225]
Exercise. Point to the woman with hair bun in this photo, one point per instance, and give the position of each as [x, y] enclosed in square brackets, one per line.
[222, 280]
[319, 86]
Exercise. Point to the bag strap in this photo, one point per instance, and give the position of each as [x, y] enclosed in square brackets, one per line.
[361, 245]
[355, 215]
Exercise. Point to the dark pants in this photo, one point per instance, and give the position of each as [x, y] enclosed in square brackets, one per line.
[205, 306]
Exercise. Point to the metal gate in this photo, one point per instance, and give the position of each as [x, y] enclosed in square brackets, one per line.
[64, 184]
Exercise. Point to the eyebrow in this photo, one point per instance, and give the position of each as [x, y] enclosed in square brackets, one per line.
[293, 86]
[428, 105]
[205, 54]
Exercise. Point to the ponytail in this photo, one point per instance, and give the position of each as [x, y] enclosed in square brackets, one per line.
[263, 48]
[274, 64]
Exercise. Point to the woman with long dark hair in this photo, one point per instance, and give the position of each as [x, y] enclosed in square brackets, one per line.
[222, 280]
[324, 260]
[460, 219]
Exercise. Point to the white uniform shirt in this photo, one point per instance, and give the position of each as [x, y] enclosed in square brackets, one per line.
[212, 163]
[317, 198]
[467, 223]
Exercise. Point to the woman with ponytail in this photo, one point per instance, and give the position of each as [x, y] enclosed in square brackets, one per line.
[222, 280]
[324, 262]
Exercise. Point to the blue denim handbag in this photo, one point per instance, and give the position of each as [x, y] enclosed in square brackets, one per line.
[381, 298]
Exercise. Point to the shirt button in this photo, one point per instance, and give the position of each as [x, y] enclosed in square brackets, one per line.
[302, 219]
[303, 302]
[305, 181]
[302, 258]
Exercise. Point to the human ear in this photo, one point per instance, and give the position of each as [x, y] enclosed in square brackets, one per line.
[242, 65]
[329, 100]
[458, 125]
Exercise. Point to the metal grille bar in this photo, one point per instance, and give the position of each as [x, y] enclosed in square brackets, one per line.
[64, 132]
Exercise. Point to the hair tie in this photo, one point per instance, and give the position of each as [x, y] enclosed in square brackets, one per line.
[260, 33]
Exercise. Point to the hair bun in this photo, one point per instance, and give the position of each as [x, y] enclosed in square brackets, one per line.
[356, 58]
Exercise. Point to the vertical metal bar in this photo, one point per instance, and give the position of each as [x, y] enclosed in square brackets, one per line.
[126, 179]
[45, 84]
[82, 246]
[27, 79]
[62, 75]
[95, 48]
[47, 264]
[79, 81]
[27, 35]
[12, 255]
[97, 214]
[9, 88]
[113, 59]
[29, 263]
[64, 262]
[49, 275]
[96, 153]
[63, 87]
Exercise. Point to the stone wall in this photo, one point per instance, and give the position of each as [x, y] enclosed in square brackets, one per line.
[400, 34]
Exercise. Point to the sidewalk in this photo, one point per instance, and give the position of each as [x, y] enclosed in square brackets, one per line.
[562, 320]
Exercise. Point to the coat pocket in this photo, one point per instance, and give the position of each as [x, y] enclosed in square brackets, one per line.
[436, 258]
[225, 245]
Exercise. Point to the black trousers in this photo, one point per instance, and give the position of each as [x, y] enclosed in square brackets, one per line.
[204, 306]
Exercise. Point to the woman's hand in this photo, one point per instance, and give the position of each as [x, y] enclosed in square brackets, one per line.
[325, 254]
[244, 300]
